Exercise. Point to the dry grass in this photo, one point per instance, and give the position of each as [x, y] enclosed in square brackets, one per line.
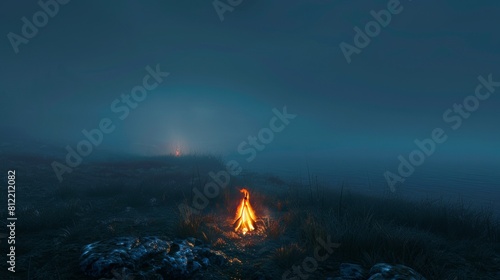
[440, 240]
[274, 228]
[427, 236]
[287, 255]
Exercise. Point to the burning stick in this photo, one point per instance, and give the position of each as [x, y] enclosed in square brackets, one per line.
[245, 216]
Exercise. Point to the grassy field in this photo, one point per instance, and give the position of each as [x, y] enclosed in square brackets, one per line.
[140, 197]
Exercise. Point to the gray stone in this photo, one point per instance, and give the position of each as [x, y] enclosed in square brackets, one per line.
[349, 271]
[380, 271]
[383, 271]
[377, 276]
[178, 259]
[196, 266]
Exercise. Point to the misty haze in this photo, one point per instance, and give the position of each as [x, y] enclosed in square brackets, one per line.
[235, 139]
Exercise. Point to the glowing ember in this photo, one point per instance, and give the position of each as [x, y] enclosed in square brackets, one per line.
[245, 216]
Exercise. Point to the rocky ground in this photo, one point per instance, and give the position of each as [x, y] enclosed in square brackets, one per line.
[121, 220]
[155, 258]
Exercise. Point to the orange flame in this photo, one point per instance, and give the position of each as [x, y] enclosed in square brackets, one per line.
[245, 216]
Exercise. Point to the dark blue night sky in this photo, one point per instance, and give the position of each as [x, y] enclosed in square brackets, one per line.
[250, 139]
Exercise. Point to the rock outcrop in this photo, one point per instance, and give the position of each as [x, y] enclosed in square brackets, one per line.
[380, 271]
[148, 258]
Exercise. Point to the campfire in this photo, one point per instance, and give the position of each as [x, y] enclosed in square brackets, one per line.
[245, 216]
[178, 152]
